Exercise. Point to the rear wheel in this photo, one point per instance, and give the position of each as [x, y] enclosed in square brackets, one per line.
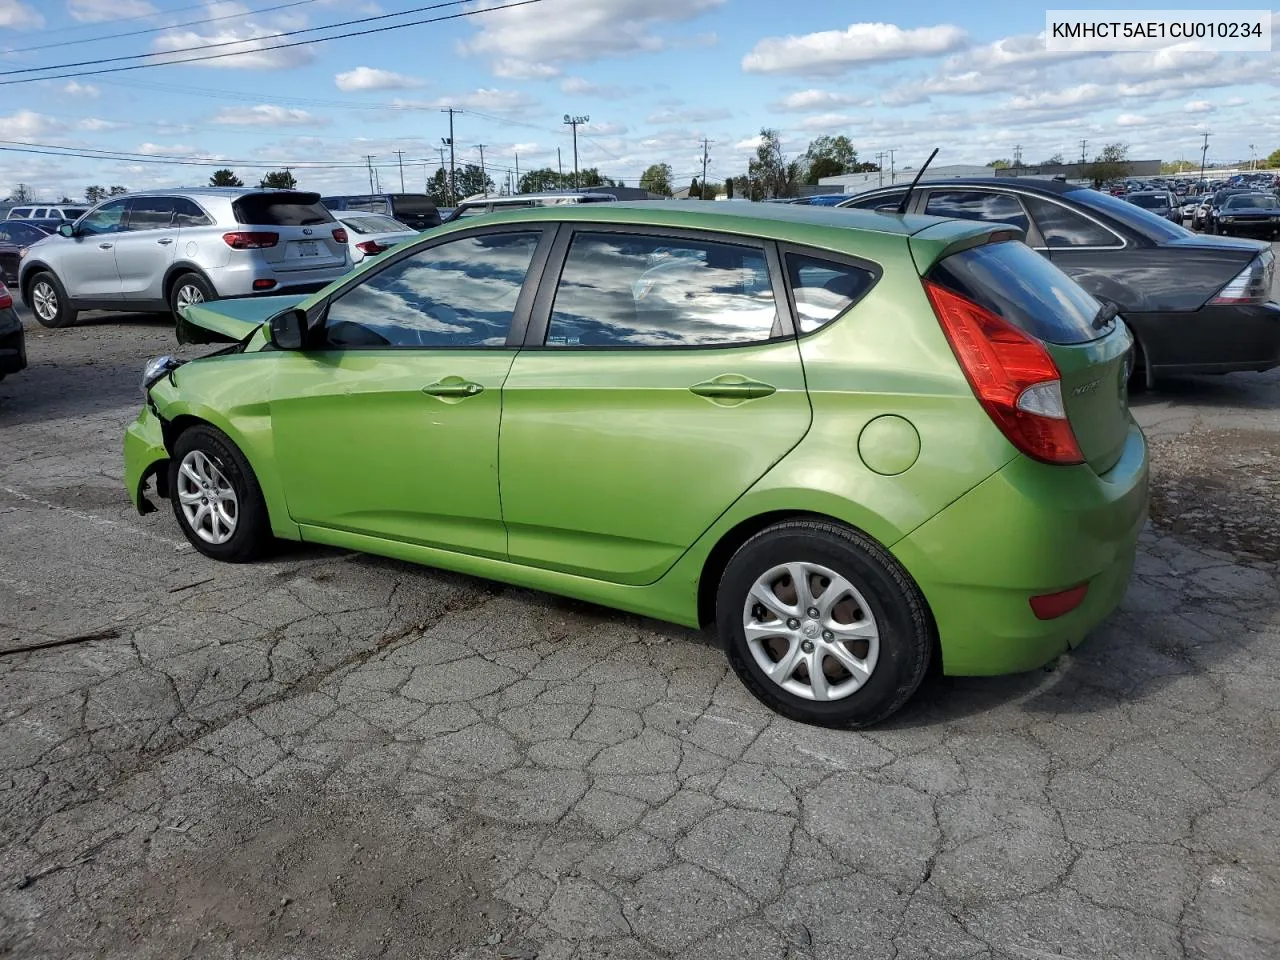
[216, 496]
[49, 301]
[188, 289]
[823, 625]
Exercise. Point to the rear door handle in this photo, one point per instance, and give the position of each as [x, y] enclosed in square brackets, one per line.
[733, 387]
[453, 388]
[106, 246]
[166, 240]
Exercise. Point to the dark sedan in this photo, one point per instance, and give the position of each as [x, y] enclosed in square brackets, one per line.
[13, 345]
[15, 237]
[1250, 215]
[1159, 202]
[1195, 304]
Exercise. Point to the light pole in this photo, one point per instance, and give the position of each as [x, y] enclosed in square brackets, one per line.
[1204, 153]
[573, 122]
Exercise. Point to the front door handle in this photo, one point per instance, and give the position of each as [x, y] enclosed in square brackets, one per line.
[733, 387]
[106, 246]
[165, 241]
[453, 388]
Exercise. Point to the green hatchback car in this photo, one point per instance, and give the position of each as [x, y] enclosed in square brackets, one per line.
[853, 442]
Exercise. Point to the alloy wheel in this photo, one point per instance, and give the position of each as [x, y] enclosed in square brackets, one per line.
[188, 294]
[810, 631]
[44, 301]
[207, 499]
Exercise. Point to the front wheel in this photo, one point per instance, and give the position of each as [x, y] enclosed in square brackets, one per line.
[49, 301]
[823, 625]
[216, 497]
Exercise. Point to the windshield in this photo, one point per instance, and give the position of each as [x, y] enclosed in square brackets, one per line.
[375, 224]
[1130, 215]
[1251, 200]
[1148, 201]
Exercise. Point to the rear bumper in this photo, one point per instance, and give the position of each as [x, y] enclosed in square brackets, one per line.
[13, 343]
[1217, 338]
[236, 279]
[1030, 529]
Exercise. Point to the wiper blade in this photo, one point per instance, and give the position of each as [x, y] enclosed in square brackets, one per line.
[1106, 313]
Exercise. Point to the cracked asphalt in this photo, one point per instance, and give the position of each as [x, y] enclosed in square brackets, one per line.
[335, 756]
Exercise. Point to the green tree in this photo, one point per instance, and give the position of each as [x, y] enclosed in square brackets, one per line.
[117, 191]
[543, 179]
[1054, 161]
[471, 180]
[695, 190]
[1111, 164]
[1001, 164]
[21, 194]
[728, 187]
[281, 179]
[225, 178]
[591, 177]
[770, 174]
[830, 157]
[657, 179]
[1273, 160]
[95, 193]
[711, 189]
[438, 188]
[1178, 166]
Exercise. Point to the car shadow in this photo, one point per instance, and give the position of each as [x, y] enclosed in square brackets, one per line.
[1255, 391]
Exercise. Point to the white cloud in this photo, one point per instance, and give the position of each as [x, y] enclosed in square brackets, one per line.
[604, 129]
[520, 70]
[74, 89]
[248, 35]
[19, 16]
[171, 150]
[371, 78]
[267, 115]
[806, 101]
[98, 11]
[828, 121]
[1131, 120]
[834, 52]
[97, 125]
[904, 96]
[1080, 95]
[709, 115]
[1199, 106]
[484, 100]
[590, 30]
[581, 87]
[750, 143]
[26, 124]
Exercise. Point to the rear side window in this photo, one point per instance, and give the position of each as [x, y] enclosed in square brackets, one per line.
[881, 201]
[622, 290]
[1016, 283]
[73, 213]
[19, 213]
[823, 289]
[281, 210]
[188, 214]
[977, 205]
[1061, 227]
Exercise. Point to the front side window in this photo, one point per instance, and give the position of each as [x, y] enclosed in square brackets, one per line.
[108, 218]
[1062, 227]
[824, 289]
[977, 205]
[624, 290]
[150, 213]
[458, 294]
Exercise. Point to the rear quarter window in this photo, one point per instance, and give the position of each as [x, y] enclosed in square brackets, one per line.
[1018, 284]
[281, 210]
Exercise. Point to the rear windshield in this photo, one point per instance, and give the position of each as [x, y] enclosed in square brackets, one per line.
[375, 224]
[1130, 215]
[1149, 201]
[1012, 280]
[281, 210]
[413, 203]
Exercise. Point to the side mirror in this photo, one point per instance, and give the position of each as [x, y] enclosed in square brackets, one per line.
[67, 230]
[288, 330]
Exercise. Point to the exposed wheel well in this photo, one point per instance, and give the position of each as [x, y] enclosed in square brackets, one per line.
[179, 270]
[171, 429]
[28, 275]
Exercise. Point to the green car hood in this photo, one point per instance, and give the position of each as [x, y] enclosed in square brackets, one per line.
[229, 321]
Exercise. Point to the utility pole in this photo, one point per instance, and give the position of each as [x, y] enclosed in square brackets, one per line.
[450, 111]
[517, 177]
[1253, 157]
[400, 158]
[1204, 153]
[880, 167]
[484, 180]
[1017, 157]
[368, 162]
[702, 184]
[574, 122]
[377, 181]
[892, 173]
[1083, 156]
[559, 164]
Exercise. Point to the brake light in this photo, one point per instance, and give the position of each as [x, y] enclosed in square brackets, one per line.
[1252, 284]
[340, 235]
[370, 247]
[6, 298]
[1011, 374]
[250, 240]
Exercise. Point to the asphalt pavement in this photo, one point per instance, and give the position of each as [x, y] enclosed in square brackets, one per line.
[328, 755]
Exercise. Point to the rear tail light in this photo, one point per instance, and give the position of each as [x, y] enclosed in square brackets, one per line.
[370, 247]
[6, 298]
[250, 240]
[1011, 374]
[340, 235]
[1252, 284]
[1050, 606]
[263, 284]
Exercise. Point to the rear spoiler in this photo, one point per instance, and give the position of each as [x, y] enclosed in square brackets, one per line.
[939, 240]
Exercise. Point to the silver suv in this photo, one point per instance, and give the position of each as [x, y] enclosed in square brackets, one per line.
[162, 251]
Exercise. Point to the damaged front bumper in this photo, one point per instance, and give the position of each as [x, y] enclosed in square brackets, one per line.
[144, 455]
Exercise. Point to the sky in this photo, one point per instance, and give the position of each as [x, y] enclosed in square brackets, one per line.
[654, 77]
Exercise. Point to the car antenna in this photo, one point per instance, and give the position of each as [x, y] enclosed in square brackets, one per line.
[906, 198]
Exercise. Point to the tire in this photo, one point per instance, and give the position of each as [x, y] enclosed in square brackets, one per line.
[883, 598]
[189, 288]
[218, 468]
[49, 301]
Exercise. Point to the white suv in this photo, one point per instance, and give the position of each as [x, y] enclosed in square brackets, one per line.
[161, 251]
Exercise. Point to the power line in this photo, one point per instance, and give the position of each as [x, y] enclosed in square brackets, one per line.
[139, 33]
[280, 46]
[129, 19]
